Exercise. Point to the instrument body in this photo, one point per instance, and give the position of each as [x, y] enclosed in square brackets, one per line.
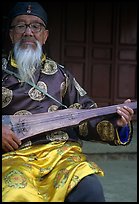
[26, 126]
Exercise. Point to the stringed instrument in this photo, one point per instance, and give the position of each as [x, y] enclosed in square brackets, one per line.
[27, 126]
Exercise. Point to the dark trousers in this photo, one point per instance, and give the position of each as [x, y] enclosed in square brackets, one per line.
[89, 189]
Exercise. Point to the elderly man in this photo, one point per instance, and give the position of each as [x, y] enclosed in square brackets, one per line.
[50, 167]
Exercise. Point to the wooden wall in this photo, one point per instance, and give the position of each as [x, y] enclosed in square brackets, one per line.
[97, 41]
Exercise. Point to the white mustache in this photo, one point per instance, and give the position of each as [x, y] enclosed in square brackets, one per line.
[25, 39]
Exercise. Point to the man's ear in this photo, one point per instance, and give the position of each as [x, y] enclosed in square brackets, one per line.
[11, 35]
[46, 34]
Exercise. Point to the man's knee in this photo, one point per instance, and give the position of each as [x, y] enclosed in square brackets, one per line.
[89, 189]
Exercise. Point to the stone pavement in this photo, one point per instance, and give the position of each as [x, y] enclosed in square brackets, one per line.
[120, 168]
[120, 180]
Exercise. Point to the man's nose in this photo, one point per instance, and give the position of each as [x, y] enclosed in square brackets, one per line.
[28, 31]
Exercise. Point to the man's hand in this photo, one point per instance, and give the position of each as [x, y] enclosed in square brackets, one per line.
[9, 141]
[126, 114]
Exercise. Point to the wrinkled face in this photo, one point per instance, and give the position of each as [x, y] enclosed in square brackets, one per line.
[27, 29]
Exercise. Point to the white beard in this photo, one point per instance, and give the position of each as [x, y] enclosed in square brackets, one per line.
[27, 59]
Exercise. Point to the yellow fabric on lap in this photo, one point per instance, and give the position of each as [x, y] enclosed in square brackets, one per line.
[44, 173]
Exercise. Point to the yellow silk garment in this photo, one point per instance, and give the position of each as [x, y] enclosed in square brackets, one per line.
[44, 173]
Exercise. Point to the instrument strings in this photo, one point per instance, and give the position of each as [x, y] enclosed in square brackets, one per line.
[26, 121]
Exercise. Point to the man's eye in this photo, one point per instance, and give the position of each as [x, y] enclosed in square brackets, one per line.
[20, 26]
[35, 25]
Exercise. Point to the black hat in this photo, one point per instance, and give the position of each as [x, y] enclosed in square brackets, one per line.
[28, 8]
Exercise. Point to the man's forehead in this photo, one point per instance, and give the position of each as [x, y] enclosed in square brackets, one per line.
[27, 18]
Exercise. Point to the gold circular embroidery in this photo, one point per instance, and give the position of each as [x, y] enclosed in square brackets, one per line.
[83, 129]
[49, 68]
[63, 89]
[52, 108]
[7, 95]
[23, 112]
[106, 130]
[36, 94]
[58, 136]
[76, 105]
